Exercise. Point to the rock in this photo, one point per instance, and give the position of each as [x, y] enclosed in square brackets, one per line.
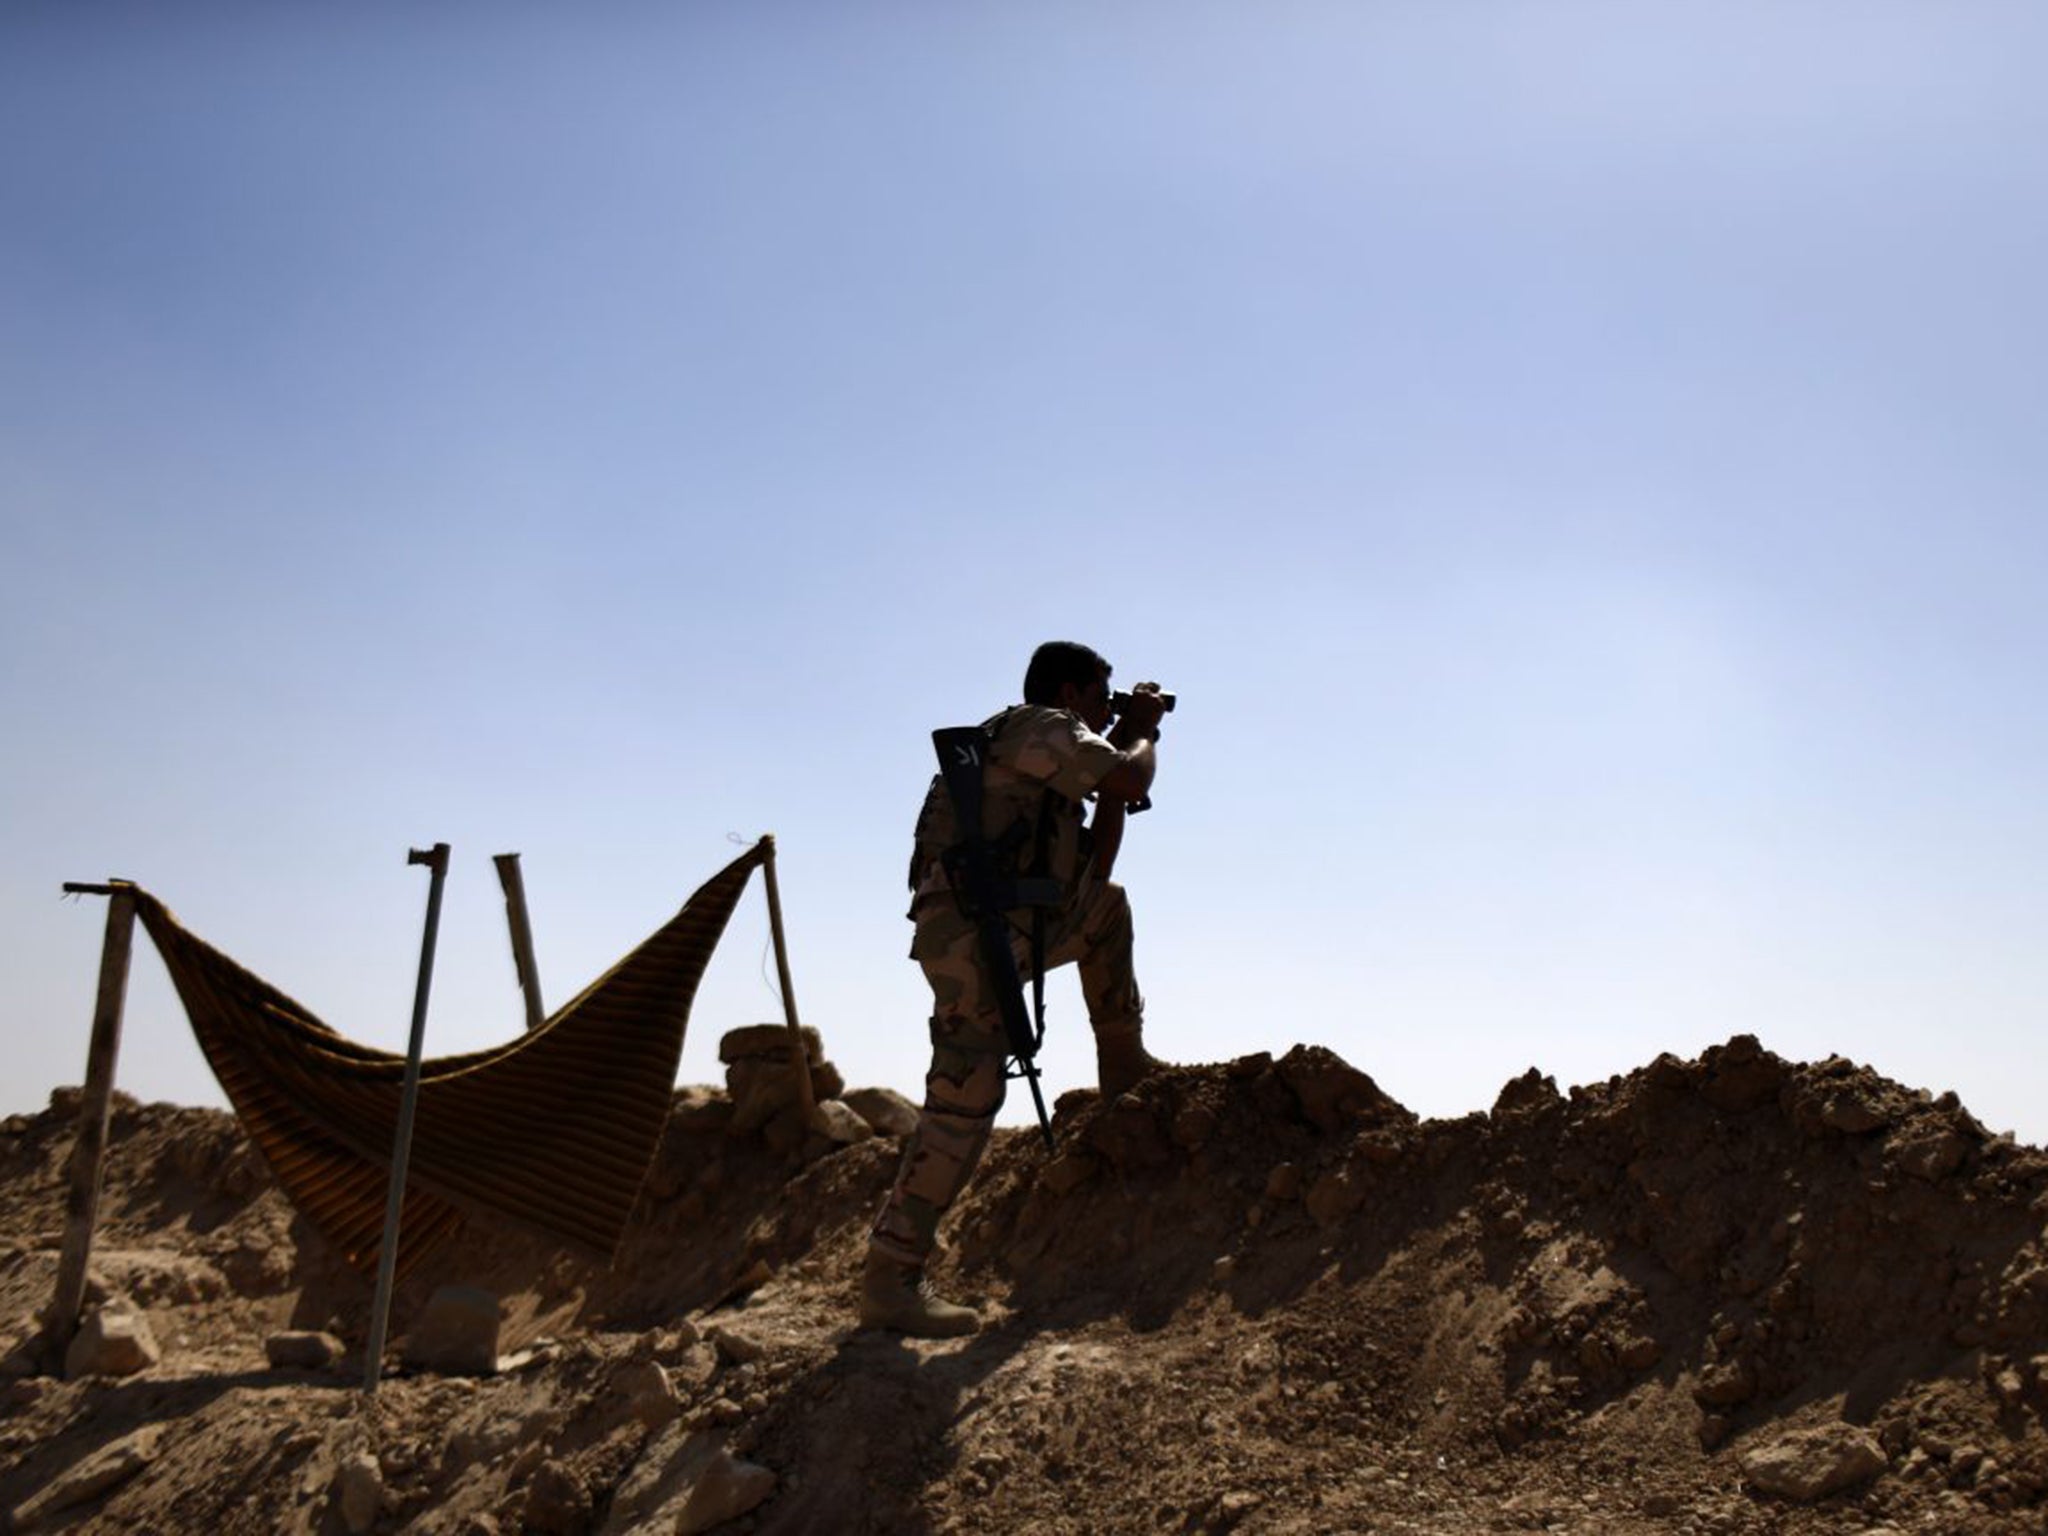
[1638, 1352]
[839, 1125]
[767, 1042]
[1741, 1075]
[761, 1077]
[726, 1489]
[485, 1436]
[1232, 1508]
[1069, 1170]
[736, 1347]
[456, 1333]
[1832, 1096]
[650, 1395]
[302, 1350]
[253, 1268]
[1284, 1182]
[556, 1501]
[696, 1367]
[701, 1109]
[687, 1482]
[104, 1470]
[752, 1278]
[1809, 1464]
[888, 1111]
[150, 1278]
[1333, 1197]
[1667, 1071]
[359, 1492]
[720, 1410]
[113, 1341]
[1927, 1151]
[1728, 1383]
[760, 1091]
[1850, 1112]
[1331, 1091]
[528, 1456]
[1527, 1095]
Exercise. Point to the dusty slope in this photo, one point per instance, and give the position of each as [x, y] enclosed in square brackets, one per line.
[1258, 1297]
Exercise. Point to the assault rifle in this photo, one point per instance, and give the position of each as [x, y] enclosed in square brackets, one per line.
[988, 897]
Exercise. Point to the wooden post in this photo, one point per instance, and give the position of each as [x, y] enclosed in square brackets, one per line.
[89, 1151]
[522, 936]
[806, 1098]
[436, 860]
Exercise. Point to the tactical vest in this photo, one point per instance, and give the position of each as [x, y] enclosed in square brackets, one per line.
[1031, 830]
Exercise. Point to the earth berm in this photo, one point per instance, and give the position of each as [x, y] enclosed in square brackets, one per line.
[1725, 1296]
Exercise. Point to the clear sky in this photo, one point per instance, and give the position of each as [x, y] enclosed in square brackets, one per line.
[1580, 465]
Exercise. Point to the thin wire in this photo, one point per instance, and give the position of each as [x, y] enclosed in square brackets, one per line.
[772, 988]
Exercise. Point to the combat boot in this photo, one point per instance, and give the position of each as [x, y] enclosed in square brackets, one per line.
[896, 1296]
[1122, 1062]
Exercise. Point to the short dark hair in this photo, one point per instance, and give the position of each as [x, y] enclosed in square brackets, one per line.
[1057, 663]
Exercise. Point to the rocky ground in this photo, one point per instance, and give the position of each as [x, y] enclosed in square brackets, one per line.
[1731, 1295]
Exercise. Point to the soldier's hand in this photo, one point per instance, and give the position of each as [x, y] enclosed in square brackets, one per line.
[1141, 716]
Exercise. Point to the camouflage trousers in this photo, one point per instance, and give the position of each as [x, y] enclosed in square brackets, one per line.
[965, 1084]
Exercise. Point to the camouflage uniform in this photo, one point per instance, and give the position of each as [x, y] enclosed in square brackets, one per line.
[1035, 750]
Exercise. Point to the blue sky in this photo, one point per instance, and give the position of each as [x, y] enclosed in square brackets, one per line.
[1579, 465]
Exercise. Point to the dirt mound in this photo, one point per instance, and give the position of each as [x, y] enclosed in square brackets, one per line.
[1728, 1295]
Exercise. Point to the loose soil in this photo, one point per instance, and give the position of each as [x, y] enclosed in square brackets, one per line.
[1257, 1296]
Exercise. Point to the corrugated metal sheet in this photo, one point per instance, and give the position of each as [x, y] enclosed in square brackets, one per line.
[555, 1130]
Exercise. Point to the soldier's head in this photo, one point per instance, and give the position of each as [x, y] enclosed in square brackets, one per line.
[1066, 675]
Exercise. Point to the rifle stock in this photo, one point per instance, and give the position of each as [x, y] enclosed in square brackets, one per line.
[989, 897]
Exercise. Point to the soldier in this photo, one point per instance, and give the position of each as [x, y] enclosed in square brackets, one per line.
[1045, 757]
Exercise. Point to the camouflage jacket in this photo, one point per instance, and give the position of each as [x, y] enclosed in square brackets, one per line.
[1040, 761]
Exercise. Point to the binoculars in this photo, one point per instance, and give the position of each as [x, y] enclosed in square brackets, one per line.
[1119, 702]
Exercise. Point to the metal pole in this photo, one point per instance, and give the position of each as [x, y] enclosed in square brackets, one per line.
[89, 1150]
[522, 935]
[436, 859]
[805, 1097]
